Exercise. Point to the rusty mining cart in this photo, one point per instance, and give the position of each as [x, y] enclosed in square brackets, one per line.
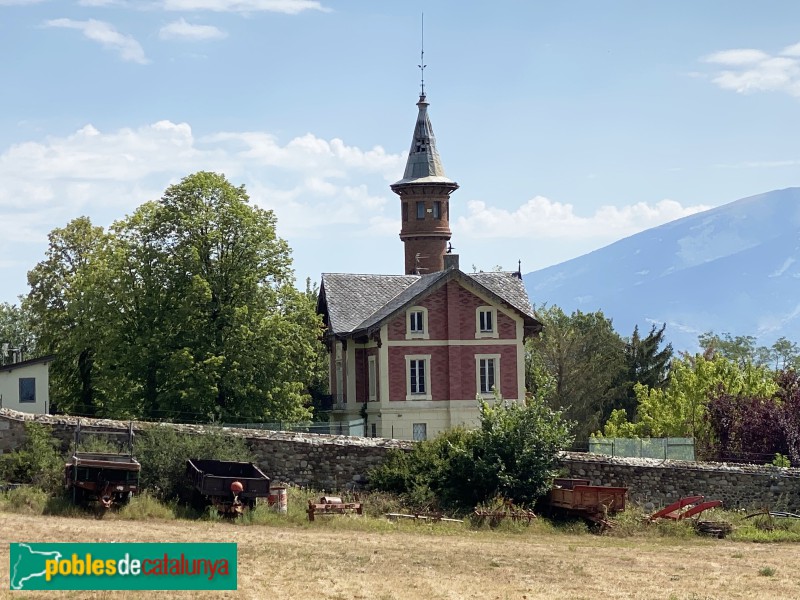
[106, 477]
[228, 486]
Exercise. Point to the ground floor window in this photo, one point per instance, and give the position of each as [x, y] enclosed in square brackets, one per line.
[420, 432]
[487, 376]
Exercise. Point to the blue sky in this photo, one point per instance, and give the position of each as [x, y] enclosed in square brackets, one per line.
[568, 125]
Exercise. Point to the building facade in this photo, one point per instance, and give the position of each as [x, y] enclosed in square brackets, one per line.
[412, 354]
[24, 386]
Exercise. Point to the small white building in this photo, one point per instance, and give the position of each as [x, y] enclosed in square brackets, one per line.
[25, 385]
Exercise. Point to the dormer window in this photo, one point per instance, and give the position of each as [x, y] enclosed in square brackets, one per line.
[486, 322]
[417, 323]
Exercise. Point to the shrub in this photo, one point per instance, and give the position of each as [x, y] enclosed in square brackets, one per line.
[37, 462]
[163, 453]
[512, 454]
[781, 460]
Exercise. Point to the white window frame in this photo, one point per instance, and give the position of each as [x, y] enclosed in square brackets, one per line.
[417, 335]
[372, 379]
[416, 427]
[426, 395]
[480, 333]
[478, 359]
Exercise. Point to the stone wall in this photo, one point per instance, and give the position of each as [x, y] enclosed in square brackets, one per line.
[324, 462]
[332, 463]
[654, 483]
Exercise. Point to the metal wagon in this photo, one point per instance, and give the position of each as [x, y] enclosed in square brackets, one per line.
[228, 486]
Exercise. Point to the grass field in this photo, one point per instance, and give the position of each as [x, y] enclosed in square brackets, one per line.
[373, 559]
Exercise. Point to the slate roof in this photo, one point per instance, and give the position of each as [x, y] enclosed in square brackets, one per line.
[355, 303]
[423, 164]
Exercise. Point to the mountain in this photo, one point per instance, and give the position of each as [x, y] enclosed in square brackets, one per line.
[734, 268]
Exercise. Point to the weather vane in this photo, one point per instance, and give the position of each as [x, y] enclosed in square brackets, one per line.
[422, 64]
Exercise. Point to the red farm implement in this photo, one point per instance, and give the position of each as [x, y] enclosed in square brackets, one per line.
[592, 502]
[685, 508]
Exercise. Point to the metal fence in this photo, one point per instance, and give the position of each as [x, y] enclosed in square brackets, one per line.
[665, 448]
[355, 427]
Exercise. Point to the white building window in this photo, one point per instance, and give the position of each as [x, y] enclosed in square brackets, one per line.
[417, 323]
[419, 432]
[486, 322]
[487, 373]
[372, 379]
[418, 377]
[27, 389]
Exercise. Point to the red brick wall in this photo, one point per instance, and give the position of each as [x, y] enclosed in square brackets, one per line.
[451, 315]
[506, 326]
[362, 374]
[453, 370]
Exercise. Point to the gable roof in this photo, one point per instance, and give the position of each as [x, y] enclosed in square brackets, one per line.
[27, 363]
[359, 304]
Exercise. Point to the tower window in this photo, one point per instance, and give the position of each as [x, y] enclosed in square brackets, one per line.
[405, 211]
[437, 209]
[420, 210]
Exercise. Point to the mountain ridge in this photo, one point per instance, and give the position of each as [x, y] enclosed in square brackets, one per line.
[733, 268]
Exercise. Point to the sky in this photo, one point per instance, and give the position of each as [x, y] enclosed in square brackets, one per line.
[568, 125]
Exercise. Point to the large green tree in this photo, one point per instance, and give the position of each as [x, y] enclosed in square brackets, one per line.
[576, 364]
[680, 408]
[16, 330]
[185, 310]
[646, 363]
[66, 305]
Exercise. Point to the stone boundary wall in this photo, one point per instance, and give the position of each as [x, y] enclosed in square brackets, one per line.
[335, 463]
[324, 462]
[653, 483]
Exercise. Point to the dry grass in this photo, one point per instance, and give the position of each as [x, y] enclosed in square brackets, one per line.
[408, 561]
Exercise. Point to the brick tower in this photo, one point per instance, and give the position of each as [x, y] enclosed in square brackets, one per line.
[424, 194]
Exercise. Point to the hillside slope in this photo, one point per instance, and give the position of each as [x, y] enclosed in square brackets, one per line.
[734, 268]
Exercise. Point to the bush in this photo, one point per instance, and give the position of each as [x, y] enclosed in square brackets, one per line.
[163, 453]
[37, 462]
[425, 476]
[513, 454]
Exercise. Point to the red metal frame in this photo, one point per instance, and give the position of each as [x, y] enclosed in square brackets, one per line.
[674, 511]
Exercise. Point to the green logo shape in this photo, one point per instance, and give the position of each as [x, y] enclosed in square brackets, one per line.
[109, 566]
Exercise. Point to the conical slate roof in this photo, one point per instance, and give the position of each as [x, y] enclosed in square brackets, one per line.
[424, 164]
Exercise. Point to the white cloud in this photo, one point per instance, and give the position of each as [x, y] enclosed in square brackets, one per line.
[327, 195]
[105, 33]
[542, 218]
[291, 7]
[101, 3]
[744, 56]
[181, 30]
[311, 183]
[750, 70]
[319, 189]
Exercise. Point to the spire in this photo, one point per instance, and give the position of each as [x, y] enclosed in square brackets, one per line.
[424, 164]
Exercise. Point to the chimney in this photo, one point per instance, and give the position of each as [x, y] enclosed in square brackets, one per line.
[450, 261]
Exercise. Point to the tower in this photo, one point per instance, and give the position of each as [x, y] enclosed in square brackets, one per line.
[424, 194]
